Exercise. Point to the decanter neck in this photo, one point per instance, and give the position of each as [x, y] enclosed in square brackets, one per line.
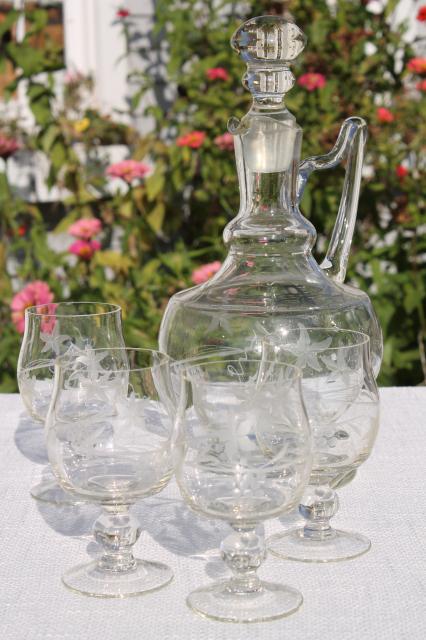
[267, 150]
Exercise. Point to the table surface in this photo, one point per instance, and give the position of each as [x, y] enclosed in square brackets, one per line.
[380, 595]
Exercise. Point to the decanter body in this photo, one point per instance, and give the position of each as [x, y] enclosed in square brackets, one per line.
[270, 282]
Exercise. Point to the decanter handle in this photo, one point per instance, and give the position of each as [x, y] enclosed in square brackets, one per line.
[350, 144]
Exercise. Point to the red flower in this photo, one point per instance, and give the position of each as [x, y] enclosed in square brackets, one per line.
[225, 142]
[417, 65]
[421, 85]
[123, 13]
[312, 81]
[401, 171]
[194, 139]
[84, 249]
[384, 115]
[217, 73]
[22, 230]
[8, 146]
[421, 14]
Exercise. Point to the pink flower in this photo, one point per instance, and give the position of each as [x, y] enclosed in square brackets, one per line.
[85, 228]
[204, 273]
[8, 146]
[421, 85]
[128, 170]
[225, 141]
[217, 73]
[194, 139]
[401, 171]
[384, 115]
[84, 249]
[421, 14]
[312, 81]
[32, 294]
[122, 13]
[417, 65]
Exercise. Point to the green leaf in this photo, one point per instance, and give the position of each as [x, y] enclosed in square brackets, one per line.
[49, 136]
[10, 18]
[156, 217]
[126, 209]
[58, 154]
[113, 259]
[39, 98]
[149, 271]
[66, 222]
[154, 185]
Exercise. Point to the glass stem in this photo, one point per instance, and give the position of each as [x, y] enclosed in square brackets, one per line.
[116, 530]
[243, 552]
[318, 505]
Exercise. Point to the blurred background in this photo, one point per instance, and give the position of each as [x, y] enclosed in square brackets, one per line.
[117, 172]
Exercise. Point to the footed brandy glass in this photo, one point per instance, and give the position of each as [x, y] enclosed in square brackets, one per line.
[67, 329]
[243, 455]
[109, 431]
[342, 403]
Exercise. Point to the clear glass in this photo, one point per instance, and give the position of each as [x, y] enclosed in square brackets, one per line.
[109, 433]
[60, 329]
[270, 281]
[243, 455]
[342, 403]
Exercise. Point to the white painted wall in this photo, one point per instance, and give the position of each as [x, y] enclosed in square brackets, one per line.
[93, 44]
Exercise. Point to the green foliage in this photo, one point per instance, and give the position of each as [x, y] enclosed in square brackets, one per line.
[172, 222]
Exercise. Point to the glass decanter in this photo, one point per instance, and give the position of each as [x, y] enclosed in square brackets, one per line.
[270, 282]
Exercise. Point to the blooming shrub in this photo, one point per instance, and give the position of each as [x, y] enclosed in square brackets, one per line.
[160, 226]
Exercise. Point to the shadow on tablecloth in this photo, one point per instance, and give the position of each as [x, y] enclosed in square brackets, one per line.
[29, 439]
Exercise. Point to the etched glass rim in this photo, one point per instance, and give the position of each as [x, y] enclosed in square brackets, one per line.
[363, 338]
[298, 374]
[36, 310]
[63, 361]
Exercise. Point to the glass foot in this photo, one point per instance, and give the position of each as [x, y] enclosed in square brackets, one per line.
[89, 580]
[220, 602]
[50, 491]
[294, 545]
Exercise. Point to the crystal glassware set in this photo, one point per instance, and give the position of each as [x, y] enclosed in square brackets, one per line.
[248, 435]
[262, 395]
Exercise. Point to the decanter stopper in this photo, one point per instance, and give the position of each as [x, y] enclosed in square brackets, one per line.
[268, 44]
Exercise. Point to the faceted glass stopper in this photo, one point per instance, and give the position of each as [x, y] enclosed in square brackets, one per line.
[268, 44]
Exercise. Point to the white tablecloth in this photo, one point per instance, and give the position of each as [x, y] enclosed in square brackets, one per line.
[380, 595]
